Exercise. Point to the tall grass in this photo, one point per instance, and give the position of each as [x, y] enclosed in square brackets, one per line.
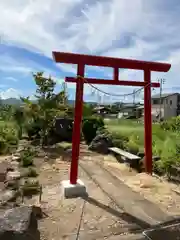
[164, 142]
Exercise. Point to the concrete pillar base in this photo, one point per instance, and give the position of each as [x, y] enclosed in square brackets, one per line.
[73, 190]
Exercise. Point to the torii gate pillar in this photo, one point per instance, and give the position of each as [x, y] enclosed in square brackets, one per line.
[75, 186]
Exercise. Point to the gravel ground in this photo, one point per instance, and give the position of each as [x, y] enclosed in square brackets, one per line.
[95, 217]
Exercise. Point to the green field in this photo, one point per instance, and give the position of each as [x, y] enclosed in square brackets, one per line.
[164, 142]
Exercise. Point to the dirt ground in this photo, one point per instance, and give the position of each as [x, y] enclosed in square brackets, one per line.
[95, 217]
[158, 190]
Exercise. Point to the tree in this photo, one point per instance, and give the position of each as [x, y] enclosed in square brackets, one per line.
[87, 110]
[19, 117]
[48, 104]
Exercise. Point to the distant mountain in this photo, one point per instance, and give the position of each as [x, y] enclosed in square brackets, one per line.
[18, 102]
[11, 101]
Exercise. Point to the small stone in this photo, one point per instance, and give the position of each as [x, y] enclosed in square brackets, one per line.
[16, 158]
[14, 165]
[13, 175]
[12, 184]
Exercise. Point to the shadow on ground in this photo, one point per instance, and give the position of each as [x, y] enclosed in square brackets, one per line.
[139, 224]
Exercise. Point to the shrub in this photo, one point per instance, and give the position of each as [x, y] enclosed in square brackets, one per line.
[33, 130]
[90, 127]
[63, 146]
[120, 136]
[8, 136]
[169, 153]
[172, 124]
[102, 130]
[157, 147]
[32, 172]
[132, 147]
[3, 146]
[27, 156]
[165, 125]
[119, 140]
[30, 187]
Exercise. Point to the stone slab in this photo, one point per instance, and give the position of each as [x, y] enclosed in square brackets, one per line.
[137, 208]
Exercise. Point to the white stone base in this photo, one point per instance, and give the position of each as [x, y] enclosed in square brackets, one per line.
[73, 190]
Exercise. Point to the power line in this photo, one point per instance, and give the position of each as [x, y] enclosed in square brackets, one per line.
[161, 81]
[114, 95]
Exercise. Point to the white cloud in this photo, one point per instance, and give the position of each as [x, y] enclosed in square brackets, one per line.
[10, 65]
[146, 30]
[21, 66]
[10, 93]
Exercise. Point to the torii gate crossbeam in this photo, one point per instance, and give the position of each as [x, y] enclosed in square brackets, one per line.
[115, 63]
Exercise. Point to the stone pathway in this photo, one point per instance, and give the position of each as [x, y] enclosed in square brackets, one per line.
[95, 217]
[144, 212]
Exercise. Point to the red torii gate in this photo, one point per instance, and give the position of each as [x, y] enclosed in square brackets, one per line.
[115, 63]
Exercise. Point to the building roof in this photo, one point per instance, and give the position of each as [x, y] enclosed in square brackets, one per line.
[163, 95]
[100, 108]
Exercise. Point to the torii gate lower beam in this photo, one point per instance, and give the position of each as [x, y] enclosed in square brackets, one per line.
[115, 63]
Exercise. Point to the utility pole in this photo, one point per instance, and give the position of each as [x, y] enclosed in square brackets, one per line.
[161, 81]
[134, 96]
[65, 93]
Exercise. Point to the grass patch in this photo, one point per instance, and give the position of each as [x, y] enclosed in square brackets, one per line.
[64, 145]
[166, 144]
[30, 187]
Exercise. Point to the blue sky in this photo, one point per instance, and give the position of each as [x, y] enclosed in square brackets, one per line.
[30, 30]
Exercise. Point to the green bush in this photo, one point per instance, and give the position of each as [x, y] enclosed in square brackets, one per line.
[172, 124]
[33, 130]
[119, 140]
[30, 187]
[169, 151]
[32, 172]
[132, 147]
[3, 145]
[120, 136]
[165, 125]
[63, 146]
[90, 127]
[102, 130]
[8, 137]
[27, 156]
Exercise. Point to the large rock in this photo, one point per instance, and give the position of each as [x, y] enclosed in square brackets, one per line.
[12, 184]
[13, 175]
[101, 143]
[19, 223]
[7, 195]
[16, 158]
[14, 165]
[3, 170]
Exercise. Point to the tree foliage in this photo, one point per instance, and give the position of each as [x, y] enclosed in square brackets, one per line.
[48, 104]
